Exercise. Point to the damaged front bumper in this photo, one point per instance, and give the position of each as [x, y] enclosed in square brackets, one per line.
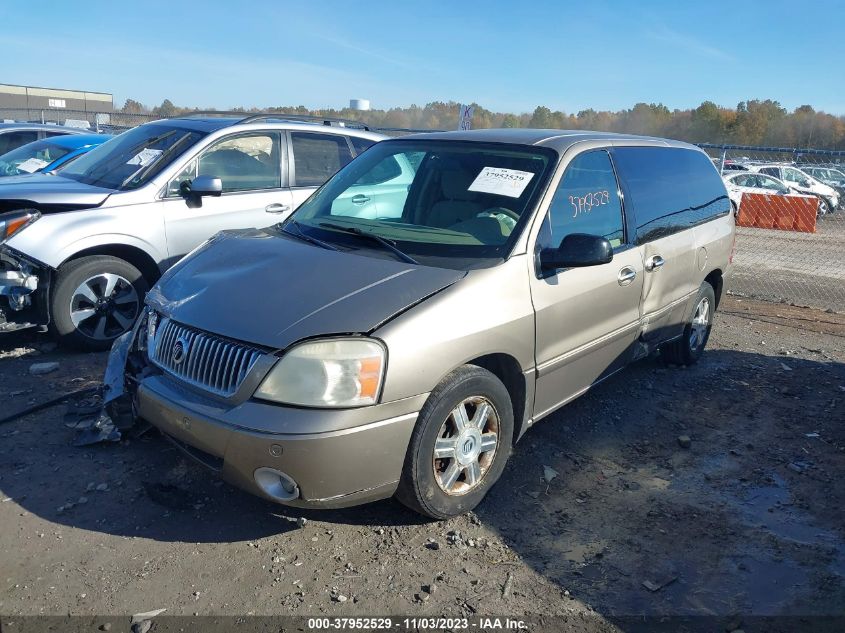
[23, 285]
[289, 455]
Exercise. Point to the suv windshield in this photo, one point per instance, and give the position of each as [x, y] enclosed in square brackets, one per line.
[452, 204]
[133, 158]
[30, 158]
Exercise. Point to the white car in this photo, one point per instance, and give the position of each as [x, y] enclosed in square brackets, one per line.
[802, 182]
[741, 182]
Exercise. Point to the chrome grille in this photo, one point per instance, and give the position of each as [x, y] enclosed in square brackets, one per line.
[204, 360]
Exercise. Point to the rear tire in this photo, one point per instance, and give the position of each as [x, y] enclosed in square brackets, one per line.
[459, 446]
[94, 300]
[689, 348]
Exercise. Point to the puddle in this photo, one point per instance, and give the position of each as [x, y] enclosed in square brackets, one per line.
[770, 508]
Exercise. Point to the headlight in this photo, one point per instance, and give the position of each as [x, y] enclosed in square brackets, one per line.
[328, 373]
[16, 221]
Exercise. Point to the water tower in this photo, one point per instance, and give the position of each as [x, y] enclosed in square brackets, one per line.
[359, 104]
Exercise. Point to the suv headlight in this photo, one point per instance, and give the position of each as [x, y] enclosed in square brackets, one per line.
[15, 221]
[335, 373]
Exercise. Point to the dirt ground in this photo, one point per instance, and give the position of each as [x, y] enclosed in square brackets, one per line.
[747, 519]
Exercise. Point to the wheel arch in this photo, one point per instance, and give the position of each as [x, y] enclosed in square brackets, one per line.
[506, 368]
[714, 278]
[139, 258]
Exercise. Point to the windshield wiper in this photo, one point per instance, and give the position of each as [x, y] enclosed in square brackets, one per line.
[304, 237]
[385, 243]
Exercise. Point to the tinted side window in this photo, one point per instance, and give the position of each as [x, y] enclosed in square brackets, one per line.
[670, 189]
[361, 145]
[317, 157]
[586, 201]
[772, 171]
[13, 140]
[707, 195]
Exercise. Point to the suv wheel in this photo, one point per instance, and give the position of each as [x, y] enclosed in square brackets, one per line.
[94, 300]
[689, 348]
[460, 444]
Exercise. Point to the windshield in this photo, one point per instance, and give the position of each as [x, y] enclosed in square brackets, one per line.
[132, 159]
[451, 204]
[30, 158]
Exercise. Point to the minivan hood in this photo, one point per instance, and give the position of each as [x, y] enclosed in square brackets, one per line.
[267, 289]
[47, 189]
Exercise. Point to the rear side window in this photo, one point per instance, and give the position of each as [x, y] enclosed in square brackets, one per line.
[772, 171]
[670, 189]
[13, 140]
[317, 157]
[586, 201]
[361, 145]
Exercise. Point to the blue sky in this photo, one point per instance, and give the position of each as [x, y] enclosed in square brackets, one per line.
[506, 56]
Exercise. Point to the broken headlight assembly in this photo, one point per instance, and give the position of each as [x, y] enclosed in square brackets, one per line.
[16, 221]
[329, 373]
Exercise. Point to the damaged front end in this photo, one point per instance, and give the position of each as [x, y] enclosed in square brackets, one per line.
[24, 286]
[127, 366]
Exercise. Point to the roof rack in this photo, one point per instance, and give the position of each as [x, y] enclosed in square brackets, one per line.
[281, 116]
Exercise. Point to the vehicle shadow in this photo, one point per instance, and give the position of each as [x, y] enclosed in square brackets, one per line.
[605, 498]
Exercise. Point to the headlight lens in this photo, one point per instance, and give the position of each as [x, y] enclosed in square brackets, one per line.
[16, 221]
[329, 373]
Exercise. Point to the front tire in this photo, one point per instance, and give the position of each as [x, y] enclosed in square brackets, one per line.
[94, 300]
[459, 446]
[689, 348]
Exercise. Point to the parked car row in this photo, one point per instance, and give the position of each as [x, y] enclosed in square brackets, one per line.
[827, 185]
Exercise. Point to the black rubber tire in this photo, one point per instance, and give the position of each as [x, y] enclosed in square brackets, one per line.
[68, 279]
[418, 488]
[678, 352]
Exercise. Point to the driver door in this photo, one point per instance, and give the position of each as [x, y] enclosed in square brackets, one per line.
[587, 319]
[250, 168]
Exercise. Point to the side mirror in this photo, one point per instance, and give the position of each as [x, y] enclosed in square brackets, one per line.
[576, 251]
[205, 186]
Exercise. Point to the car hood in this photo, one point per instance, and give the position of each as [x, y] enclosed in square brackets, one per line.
[47, 189]
[267, 289]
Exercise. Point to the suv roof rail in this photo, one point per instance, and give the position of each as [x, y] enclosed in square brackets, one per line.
[247, 117]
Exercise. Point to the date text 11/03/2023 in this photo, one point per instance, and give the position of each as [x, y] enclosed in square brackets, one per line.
[416, 624]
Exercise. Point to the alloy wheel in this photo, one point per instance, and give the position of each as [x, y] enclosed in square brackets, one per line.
[700, 324]
[104, 306]
[466, 445]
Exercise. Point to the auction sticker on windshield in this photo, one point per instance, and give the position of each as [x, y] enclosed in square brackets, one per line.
[501, 181]
[31, 165]
[144, 157]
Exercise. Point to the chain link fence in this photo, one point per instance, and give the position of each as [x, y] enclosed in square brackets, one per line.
[790, 205]
[100, 122]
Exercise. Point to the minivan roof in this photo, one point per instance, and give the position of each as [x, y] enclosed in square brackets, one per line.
[561, 140]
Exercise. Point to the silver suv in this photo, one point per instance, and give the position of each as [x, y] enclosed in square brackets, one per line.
[344, 357]
[80, 248]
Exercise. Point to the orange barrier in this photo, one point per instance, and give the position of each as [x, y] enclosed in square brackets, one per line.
[785, 213]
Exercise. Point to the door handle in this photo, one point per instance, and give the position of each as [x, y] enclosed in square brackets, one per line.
[626, 276]
[277, 208]
[360, 199]
[654, 263]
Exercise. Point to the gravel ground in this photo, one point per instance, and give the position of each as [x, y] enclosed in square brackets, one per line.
[713, 490]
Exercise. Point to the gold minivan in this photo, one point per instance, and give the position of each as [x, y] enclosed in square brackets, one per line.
[414, 317]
